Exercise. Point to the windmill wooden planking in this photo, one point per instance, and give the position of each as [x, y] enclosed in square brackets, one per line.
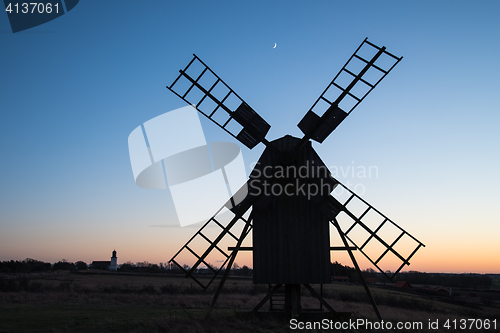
[291, 241]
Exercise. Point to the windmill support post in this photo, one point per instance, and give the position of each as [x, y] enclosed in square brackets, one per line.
[361, 277]
[267, 297]
[292, 300]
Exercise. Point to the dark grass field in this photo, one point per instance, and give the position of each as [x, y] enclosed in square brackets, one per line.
[113, 302]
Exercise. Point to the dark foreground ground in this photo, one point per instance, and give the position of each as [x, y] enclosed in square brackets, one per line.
[91, 302]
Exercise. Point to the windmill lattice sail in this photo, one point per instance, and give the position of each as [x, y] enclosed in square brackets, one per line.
[207, 245]
[198, 85]
[364, 70]
[384, 243]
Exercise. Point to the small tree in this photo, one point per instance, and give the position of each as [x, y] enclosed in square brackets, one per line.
[64, 265]
[126, 267]
[245, 270]
[81, 266]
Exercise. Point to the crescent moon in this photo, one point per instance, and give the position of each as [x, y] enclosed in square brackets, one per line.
[274, 46]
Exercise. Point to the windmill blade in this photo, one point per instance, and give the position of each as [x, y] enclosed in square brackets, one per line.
[198, 85]
[364, 70]
[385, 244]
[202, 247]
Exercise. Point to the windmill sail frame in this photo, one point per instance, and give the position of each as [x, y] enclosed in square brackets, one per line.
[253, 129]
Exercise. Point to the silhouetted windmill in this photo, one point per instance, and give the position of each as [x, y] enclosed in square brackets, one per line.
[291, 224]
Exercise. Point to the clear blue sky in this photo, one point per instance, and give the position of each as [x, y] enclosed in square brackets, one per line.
[74, 88]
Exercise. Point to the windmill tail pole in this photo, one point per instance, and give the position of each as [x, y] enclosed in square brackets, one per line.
[362, 278]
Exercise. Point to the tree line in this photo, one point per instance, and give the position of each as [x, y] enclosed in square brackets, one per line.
[337, 269]
[33, 266]
[171, 268]
[414, 277]
[29, 265]
[448, 280]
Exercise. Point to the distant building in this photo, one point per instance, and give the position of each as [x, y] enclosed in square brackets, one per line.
[113, 264]
[442, 290]
[106, 265]
[340, 278]
[402, 284]
[372, 280]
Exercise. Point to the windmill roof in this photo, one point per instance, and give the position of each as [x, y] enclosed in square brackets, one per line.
[401, 284]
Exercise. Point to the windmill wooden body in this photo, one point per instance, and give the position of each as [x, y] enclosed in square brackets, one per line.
[291, 225]
[291, 238]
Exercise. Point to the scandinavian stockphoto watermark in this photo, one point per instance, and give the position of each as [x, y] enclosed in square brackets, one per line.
[308, 179]
[170, 151]
[354, 176]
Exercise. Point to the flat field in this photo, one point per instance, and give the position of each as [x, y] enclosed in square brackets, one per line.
[114, 302]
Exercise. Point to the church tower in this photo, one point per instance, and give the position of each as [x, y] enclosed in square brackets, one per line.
[113, 265]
